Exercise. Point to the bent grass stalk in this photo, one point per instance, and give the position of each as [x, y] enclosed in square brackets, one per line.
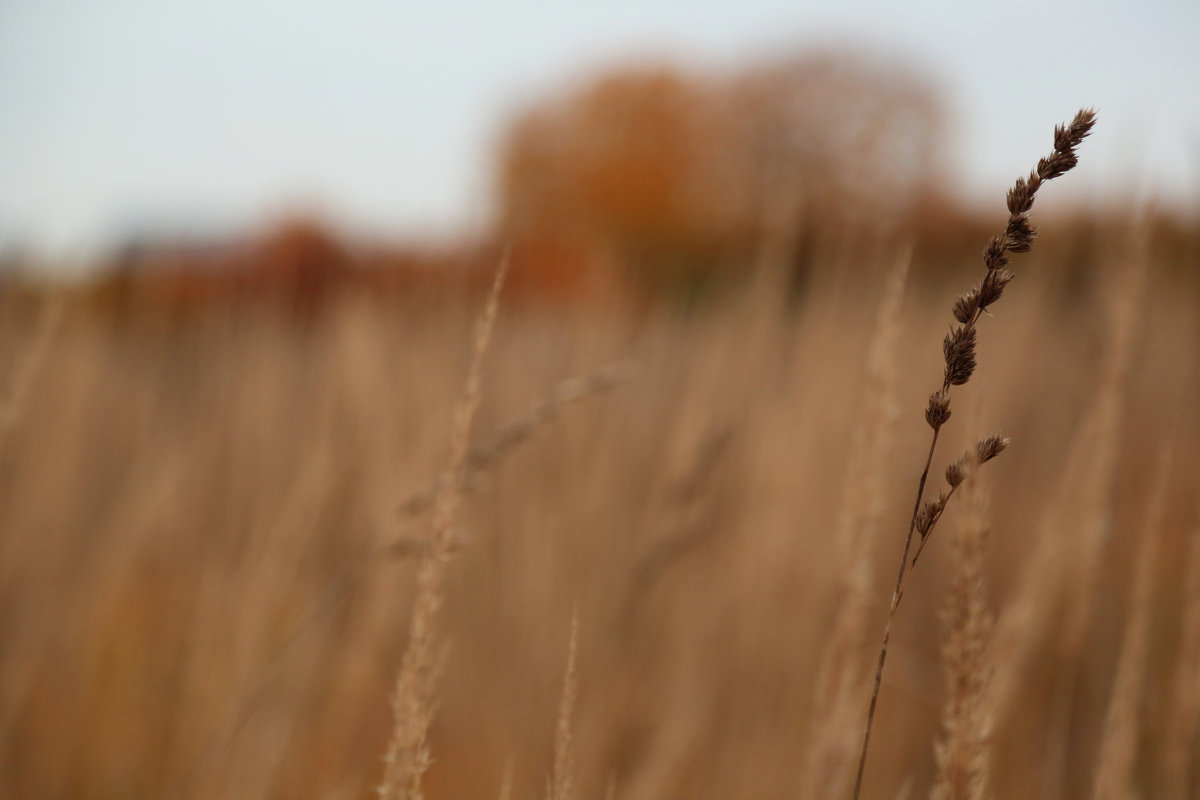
[959, 351]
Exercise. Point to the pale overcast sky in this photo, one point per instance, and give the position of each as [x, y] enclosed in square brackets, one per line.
[119, 116]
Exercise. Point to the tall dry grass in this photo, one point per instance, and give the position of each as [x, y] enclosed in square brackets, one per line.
[959, 349]
[963, 750]
[408, 757]
[201, 592]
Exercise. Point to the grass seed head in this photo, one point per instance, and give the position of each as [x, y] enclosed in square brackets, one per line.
[938, 410]
[992, 286]
[992, 446]
[966, 306]
[959, 349]
[956, 473]
[993, 254]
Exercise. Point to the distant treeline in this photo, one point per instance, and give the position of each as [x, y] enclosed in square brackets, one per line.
[649, 184]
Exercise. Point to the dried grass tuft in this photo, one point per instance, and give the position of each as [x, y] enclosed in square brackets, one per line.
[962, 754]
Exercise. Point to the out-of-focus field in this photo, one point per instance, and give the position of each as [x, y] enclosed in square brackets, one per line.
[205, 569]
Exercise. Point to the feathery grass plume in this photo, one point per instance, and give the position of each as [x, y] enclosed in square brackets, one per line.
[1118, 748]
[408, 756]
[1184, 716]
[958, 347]
[963, 753]
[562, 785]
[842, 677]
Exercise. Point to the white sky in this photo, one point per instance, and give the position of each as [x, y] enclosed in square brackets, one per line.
[119, 116]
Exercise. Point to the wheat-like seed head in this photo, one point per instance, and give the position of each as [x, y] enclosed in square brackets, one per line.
[958, 348]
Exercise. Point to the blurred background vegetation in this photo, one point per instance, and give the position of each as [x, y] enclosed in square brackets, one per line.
[650, 182]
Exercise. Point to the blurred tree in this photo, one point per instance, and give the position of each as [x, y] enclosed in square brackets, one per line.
[300, 263]
[681, 175]
[614, 165]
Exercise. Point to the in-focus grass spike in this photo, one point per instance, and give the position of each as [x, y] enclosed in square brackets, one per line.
[959, 350]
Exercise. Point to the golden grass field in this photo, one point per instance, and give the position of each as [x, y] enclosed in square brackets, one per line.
[207, 563]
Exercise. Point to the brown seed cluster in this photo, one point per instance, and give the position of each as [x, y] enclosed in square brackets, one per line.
[1019, 233]
[984, 450]
[958, 347]
[930, 513]
[938, 410]
[970, 461]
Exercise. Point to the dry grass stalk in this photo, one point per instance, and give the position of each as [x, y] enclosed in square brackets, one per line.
[842, 677]
[1183, 720]
[408, 756]
[963, 753]
[562, 785]
[959, 350]
[1119, 745]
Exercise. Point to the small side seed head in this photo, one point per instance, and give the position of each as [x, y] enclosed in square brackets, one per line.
[938, 410]
[991, 447]
[1020, 197]
[992, 286]
[956, 473]
[993, 254]
[1056, 164]
[930, 513]
[926, 517]
[1019, 235]
[959, 349]
[966, 306]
